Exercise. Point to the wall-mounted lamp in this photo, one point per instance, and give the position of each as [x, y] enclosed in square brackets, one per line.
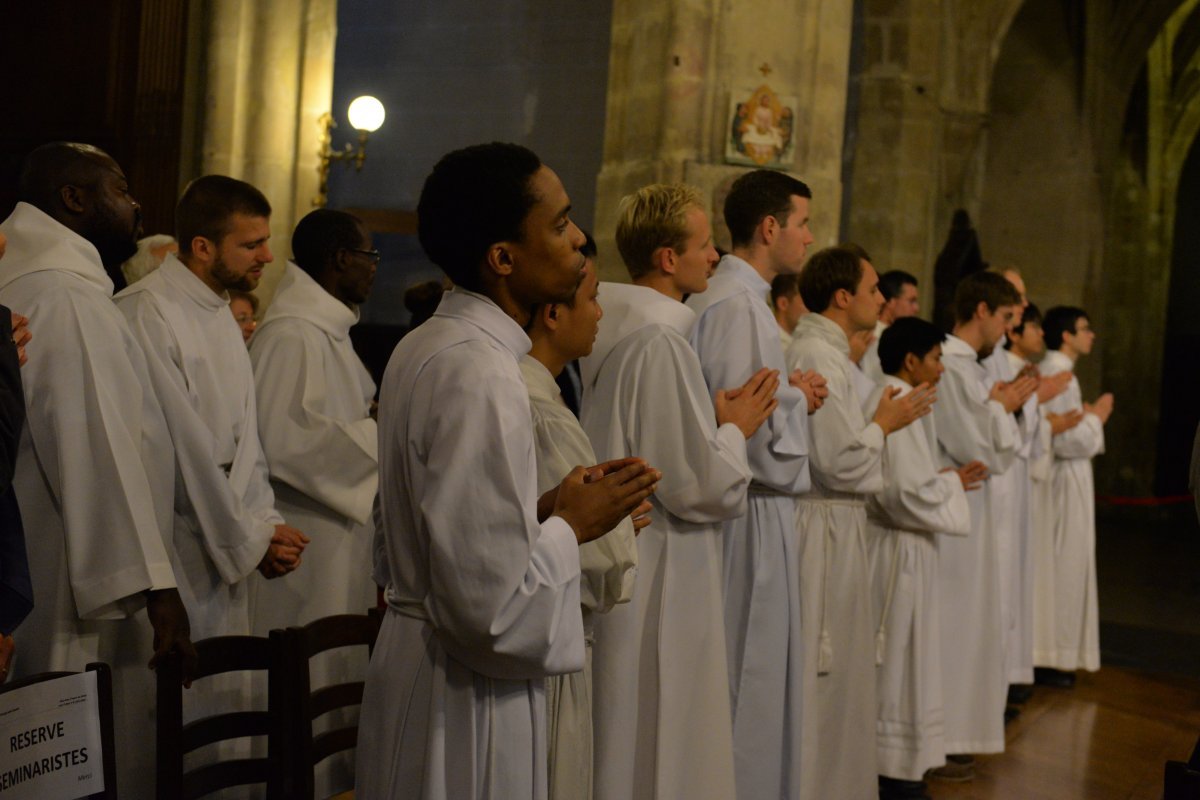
[366, 115]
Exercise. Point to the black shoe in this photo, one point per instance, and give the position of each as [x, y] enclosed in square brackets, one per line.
[896, 789]
[1019, 693]
[1011, 713]
[957, 769]
[1044, 676]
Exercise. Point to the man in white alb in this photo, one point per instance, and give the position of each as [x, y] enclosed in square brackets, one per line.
[734, 336]
[561, 333]
[845, 452]
[1012, 504]
[900, 300]
[226, 525]
[483, 592]
[787, 304]
[974, 424]
[315, 422]
[1067, 629]
[662, 715]
[95, 427]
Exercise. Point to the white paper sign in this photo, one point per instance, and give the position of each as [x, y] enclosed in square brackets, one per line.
[50, 740]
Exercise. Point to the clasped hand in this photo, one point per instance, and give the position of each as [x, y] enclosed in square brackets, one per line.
[594, 500]
[283, 554]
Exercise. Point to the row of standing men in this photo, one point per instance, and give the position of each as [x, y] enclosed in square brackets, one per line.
[732, 659]
[142, 471]
[774, 629]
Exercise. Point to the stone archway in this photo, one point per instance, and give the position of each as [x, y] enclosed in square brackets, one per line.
[1079, 184]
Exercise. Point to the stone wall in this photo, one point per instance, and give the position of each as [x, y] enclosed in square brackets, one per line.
[673, 68]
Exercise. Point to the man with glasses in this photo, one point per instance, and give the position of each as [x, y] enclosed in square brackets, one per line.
[315, 421]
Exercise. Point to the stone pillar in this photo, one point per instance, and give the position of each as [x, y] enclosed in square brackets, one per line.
[921, 127]
[267, 75]
[674, 66]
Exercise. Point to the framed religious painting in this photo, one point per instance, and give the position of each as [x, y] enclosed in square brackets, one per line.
[761, 128]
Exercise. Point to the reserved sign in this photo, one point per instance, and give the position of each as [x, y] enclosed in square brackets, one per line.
[50, 739]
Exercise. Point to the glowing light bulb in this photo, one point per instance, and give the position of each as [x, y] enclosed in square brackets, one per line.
[366, 114]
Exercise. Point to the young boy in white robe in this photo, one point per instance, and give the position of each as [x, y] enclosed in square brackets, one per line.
[974, 424]
[561, 333]
[735, 336]
[846, 450]
[662, 718]
[1068, 621]
[919, 500]
[483, 575]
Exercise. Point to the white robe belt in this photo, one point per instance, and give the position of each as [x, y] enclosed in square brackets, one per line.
[414, 609]
[839, 499]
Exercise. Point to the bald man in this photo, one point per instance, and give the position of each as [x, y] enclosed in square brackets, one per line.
[96, 429]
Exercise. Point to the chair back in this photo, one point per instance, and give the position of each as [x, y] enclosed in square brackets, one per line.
[104, 699]
[306, 705]
[219, 655]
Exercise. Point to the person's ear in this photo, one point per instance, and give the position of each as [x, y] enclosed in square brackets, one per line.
[664, 259]
[982, 311]
[781, 304]
[73, 199]
[911, 362]
[550, 316]
[341, 259]
[841, 298]
[768, 229]
[499, 259]
[204, 249]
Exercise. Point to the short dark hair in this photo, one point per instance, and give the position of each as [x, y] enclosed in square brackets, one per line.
[757, 195]
[422, 300]
[57, 164]
[827, 271]
[209, 203]
[892, 283]
[1060, 320]
[1031, 314]
[320, 235]
[785, 284]
[474, 198]
[907, 335]
[857, 249]
[983, 287]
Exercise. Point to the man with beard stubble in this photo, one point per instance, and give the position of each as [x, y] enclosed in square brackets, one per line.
[98, 433]
[226, 525]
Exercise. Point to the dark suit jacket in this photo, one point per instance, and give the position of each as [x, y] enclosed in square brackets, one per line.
[16, 591]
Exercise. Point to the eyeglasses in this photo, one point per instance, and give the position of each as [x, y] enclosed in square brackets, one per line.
[374, 255]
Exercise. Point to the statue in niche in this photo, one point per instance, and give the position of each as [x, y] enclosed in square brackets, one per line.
[760, 132]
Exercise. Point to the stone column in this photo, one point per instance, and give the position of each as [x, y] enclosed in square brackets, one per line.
[673, 68]
[267, 75]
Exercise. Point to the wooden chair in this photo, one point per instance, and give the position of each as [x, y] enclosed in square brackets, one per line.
[219, 655]
[304, 705]
[105, 702]
[1181, 779]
